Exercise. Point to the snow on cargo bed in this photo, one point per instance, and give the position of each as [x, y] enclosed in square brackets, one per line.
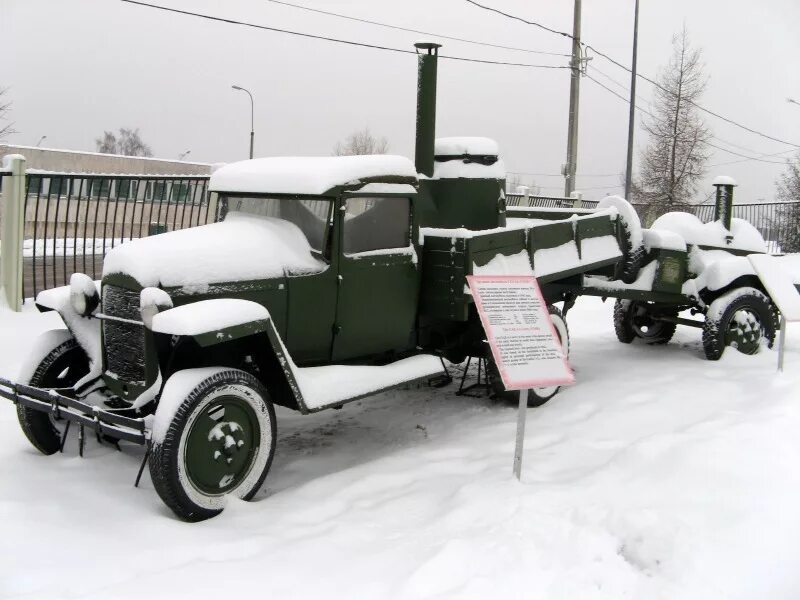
[307, 175]
[240, 248]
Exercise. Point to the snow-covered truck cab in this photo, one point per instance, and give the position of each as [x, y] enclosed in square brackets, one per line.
[328, 246]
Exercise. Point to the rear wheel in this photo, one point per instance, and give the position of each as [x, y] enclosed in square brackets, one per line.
[62, 367]
[635, 320]
[219, 442]
[743, 318]
[536, 396]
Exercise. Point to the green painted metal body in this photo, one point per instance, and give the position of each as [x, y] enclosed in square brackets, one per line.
[474, 204]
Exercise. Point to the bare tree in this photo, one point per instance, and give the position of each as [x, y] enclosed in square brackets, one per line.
[361, 142]
[788, 190]
[5, 129]
[128, 143]
[674, 161]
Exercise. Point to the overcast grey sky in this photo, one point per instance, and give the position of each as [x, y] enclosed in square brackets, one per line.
[77, 67]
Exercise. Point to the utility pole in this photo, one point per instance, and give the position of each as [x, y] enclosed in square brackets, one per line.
[632, 114]
[574, 96]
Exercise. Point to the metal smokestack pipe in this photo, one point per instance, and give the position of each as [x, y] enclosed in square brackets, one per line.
[426, 106]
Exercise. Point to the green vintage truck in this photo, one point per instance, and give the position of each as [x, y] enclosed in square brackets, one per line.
[325, 280]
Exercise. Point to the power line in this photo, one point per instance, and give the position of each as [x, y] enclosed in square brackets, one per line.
[332, 39]
[733, 162]
[516, 18]
[751, 158]
[639, 75]
[760, 156]
[692, 102]
[407, 29]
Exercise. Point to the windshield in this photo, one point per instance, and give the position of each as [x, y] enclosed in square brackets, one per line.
[311, 216]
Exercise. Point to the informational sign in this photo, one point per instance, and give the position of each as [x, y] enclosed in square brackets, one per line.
[524, 343]
[783, 292]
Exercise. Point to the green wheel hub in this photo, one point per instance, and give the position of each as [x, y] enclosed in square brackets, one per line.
[744, 331]
[221, 445]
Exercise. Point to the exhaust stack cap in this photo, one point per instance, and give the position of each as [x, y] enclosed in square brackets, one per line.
[429, 46]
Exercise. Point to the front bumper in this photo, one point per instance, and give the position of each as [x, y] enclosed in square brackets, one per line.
[62, 406]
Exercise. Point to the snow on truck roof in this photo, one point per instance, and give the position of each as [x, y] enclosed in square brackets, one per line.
[307, 175]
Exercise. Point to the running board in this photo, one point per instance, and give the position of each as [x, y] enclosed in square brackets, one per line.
[331, 386]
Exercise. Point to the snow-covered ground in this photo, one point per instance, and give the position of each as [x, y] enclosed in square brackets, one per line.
[658, 475]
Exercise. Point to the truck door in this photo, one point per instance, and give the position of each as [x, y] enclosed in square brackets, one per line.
[379, 279]
[311, 298]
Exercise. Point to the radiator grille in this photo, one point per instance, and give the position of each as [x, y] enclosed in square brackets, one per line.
[124, 342]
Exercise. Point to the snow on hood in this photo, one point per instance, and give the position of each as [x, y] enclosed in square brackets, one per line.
[240, 248]
[306, 175]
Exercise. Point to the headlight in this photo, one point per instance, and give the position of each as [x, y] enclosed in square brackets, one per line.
[83, 294]
[153, 300]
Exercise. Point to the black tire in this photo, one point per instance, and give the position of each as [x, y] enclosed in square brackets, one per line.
[723, 328]
[170, 470]
[536, 396]
[63, 367]
[633, 320]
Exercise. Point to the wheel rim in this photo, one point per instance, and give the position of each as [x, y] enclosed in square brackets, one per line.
[643, 324]
[221, 445]
[744, 331]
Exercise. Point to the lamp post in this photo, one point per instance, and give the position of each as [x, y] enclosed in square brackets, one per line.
[41, 139]
[792, 101]
[252, 134]
[183, 155]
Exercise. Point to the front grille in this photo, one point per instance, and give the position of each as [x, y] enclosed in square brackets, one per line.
[124, 342]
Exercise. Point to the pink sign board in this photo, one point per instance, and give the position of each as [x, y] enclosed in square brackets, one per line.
[524, 342]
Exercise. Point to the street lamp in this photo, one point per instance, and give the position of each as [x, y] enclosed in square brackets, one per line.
[183, 155]
[252, 134]
[792, 101]
[41, 139]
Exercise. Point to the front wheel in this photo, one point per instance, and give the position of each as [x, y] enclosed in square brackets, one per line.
[216, 441]
[62, 367]
[744, 318]
[536, 396]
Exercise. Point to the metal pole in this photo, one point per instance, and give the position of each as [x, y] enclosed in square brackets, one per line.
[781, 343]
[13, 223]
[252, 128]
[522, 411]
[427, 66]
[632, 113]
[574, 97]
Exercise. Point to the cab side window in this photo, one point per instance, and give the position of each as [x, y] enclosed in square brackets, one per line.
[376, 224]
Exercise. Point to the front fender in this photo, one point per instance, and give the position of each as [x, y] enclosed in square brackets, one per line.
[212, 322]
[85, 330]
[217, 321]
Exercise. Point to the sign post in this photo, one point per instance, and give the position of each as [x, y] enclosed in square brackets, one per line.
[524, 344]
[519, 446]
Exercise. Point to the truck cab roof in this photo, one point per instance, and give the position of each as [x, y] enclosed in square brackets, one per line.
[312, 176]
